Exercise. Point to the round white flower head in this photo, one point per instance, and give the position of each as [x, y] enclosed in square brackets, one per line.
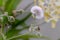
[37, 12]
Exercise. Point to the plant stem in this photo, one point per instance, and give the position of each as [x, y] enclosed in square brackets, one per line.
[17, 36]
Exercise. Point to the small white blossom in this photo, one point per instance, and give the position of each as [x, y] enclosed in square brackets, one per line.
[34, 29]
[37, 12]
[11, 19]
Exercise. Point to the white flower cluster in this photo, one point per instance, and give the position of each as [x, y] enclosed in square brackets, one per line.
[37, 12]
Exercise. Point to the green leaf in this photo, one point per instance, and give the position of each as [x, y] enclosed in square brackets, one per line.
[28, 35]
[1, 2]
[33, 36]
[5, 20]
[11, 5]
[12, 32]
[17, 22]
[20, 39]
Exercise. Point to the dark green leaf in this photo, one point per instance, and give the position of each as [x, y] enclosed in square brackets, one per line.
[17, 22]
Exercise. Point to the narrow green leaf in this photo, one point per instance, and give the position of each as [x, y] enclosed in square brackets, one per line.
[33, 36]
[7, 3]
[12, 32]
[1, 2]
[11, 5]
[28, 35]
[16, 24]
[21, 21]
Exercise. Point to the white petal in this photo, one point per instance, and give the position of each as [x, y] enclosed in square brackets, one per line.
[35, 8]
[39, 14]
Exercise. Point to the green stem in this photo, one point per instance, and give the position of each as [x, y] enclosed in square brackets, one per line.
[16, 36]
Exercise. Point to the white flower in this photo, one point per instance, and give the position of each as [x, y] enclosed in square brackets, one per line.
[37, 12]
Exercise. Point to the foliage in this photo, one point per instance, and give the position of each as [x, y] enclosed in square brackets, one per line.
[12, 33]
